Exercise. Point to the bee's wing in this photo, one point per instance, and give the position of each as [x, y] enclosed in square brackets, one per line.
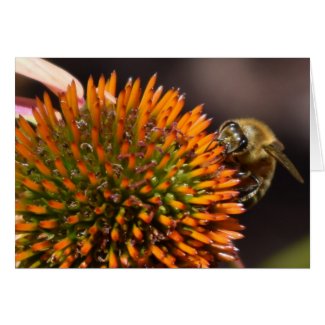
[275, 150]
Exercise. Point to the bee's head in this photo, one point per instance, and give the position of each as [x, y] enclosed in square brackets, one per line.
[232, 136]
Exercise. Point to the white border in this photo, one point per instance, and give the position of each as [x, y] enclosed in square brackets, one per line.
[138, 28]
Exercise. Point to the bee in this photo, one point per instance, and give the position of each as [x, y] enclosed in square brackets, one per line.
[253, 145]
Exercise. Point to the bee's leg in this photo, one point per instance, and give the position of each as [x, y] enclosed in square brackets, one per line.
[248, 190]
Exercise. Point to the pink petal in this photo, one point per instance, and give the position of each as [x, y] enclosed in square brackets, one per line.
[24, 107]
[49, 74]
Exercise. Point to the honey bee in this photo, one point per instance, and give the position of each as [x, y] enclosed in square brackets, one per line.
[254, 146]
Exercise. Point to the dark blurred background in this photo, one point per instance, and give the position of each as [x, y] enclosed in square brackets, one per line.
[275, 91]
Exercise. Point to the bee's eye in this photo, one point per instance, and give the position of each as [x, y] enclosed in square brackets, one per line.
[233, 137]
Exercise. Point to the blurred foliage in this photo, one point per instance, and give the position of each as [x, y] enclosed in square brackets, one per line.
[296, 255]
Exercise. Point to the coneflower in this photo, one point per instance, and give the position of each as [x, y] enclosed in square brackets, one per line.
[131, 183]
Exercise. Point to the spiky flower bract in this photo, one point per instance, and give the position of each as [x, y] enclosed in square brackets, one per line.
[126, 184]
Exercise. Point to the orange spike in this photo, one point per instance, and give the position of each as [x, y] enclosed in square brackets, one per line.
[120, 107]
[203, 199]
[172, 172]
[231, 208]
[67, 262]
[137, 233]
[31, 185]
[56, 205]
[81, 197]
[141, 123]
[134, 253]
[49, 224]
[189, 222]
[69, 184]
[73, 219]
[60, 166]
[27, 129]
[42, 168]
[62, 244]
[93, 230]
[149, 151]
[107, 194]
[66, 110]
[144, 216]
[23, 139]
[210, 217]
[101, 209]
[156, 95]
[41, 246]
[219, 237]
[95, 115]
[175, 236]
[86, 247]
[109, 169]
[52, 146]
[90, 92]
[124, 183]
[100, 154]
[120, 130]
[112, 260]
[146, 189]
[184, 119]
[226, 184]
[42, 111]
[163, 186]
[75, 131]
[74, 99]
[39, 119]
[149, 174]
[186, 248]
[115, 235]
[163, 161]
[205, 184]
[148, 89]
[36, 209]
[199, 236]
[50, 186]
[101, 89]
[125, 147]
[177, 204]
[184, 189]
[176, 110]
[92, 178]
[234, 235]
[162, 102]
[132, 161]
[50, 110]
[111, 85]
[134, 95]
[169, 140]
[25, 152]
[82, 168]
[200, 159]
[162, 256]
[127, 88]
[43, 132]
[155, 200]
[24, 255]
[166, 221]
[199, 127]
[31, 226]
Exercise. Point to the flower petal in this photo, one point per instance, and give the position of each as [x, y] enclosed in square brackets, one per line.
[49, 74]
[24, 107]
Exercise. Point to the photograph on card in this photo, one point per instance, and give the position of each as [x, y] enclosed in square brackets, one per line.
[162, 163]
